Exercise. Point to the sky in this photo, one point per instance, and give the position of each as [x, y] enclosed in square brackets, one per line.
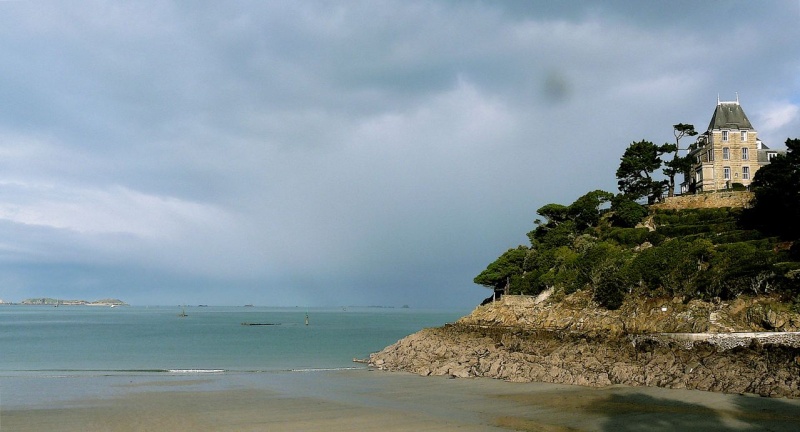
[334, 153]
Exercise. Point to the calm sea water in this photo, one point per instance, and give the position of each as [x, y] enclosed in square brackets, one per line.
[79, 340]
[59, 356]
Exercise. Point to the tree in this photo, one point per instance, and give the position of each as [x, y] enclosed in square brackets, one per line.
[678, 164]
[626, 212]
[639, 161]
[499, 274]
[563, 223]
[585, 211]
[776, 207]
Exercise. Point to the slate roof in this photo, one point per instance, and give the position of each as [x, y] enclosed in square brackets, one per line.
[729, 115]
[764, 159]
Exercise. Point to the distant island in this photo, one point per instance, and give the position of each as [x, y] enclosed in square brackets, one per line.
[46, 301]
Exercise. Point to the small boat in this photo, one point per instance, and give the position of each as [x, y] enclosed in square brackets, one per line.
[183, 313]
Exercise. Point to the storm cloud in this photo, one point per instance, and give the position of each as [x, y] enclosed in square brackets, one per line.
[341, 153]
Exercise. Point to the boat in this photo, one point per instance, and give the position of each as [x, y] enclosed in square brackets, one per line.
[183, 313]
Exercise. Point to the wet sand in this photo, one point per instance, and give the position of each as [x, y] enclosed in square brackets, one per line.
[381, 401]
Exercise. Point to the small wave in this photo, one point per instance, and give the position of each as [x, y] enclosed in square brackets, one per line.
[195, 371]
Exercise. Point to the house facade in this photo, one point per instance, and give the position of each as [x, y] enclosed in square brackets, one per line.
[729, 152]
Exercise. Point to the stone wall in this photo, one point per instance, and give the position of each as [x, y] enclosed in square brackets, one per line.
[706, 200]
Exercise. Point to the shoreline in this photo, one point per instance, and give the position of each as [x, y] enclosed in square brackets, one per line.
[389, 401]
[594, 360]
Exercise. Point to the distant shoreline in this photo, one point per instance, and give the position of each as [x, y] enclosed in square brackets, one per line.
[46, 301]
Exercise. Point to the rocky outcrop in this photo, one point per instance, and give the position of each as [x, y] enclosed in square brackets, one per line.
[462, 351]
[527, 339]
[577, 312]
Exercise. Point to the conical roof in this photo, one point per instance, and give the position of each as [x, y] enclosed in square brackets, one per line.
[729, 115]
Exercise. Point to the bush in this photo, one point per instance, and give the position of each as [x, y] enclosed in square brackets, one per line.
[610, 290]
[695, 216]
[626, 212]
[736, 236]
[741, 268]
[672, 268]
[629, 236]
[738, 187]
[655, 238]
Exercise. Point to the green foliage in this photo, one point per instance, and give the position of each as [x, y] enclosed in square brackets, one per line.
[499, 273]
[609, 290]
[564, 223]
[738, 187]
[735, 236]
[776, 208]
[601, 267]
[695, 216]
[630, 237]
[741, 268]
[626, 212]
[634, 174]
[553, 236]
[672, 268]
[678, 164]
[585, 211]
[555, 213]
[694, 253]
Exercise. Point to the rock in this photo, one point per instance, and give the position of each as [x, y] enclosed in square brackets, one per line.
[511, 340]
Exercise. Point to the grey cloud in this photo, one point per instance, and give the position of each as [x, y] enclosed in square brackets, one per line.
[317, 152]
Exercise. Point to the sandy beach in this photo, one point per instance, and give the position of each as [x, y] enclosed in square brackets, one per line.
[380, 401]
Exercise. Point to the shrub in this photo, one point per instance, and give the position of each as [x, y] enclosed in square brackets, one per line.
[672, 268]
[738, 187]
[610, 289]
[629, 236]
[626, 212]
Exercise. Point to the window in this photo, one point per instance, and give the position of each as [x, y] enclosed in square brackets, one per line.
[710, 156]
[744, 136]
[726, 153]
[724, 135]
[771, 155]
[726, 173]
[745, 155]
[745, 173]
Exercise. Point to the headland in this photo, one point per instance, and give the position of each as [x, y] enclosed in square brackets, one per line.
[746, 346]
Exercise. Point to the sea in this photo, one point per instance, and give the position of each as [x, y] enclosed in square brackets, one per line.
[52, 354]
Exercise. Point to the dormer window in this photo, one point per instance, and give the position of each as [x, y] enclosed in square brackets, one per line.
[724, 135]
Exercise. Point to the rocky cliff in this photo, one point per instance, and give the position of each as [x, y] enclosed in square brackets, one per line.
[573, 342]
[577, 312]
